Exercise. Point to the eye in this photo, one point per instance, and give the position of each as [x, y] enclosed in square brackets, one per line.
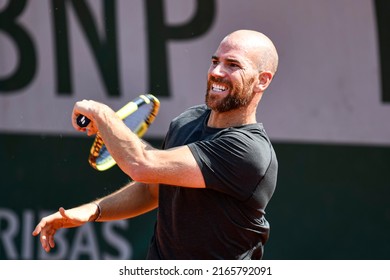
[234, 65]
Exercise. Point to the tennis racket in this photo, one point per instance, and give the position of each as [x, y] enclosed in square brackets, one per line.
[138, 115]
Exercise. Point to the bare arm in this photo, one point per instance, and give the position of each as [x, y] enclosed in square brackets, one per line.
[132, 200]
[139, 160]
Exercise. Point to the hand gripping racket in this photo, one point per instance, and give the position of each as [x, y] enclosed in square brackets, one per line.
[138, 115]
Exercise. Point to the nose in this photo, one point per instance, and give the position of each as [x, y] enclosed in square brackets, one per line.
[216, 70]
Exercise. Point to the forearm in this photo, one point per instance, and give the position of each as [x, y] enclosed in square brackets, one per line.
[144, 163]
[130, 201]
[128, 150]
[140, 161]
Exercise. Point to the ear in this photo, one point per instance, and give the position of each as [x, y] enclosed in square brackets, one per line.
[265, 79]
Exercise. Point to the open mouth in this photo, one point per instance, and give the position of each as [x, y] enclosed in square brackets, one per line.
[218, 87]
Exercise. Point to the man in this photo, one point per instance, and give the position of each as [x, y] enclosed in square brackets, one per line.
[215, 175]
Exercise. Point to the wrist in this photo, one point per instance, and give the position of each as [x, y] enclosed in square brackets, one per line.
[98, 212]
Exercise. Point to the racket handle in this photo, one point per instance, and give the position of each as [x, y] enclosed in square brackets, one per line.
[82, 121]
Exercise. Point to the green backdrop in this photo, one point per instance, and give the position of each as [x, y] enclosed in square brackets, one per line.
[331, 201]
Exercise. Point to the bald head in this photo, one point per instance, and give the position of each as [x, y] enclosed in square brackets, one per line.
[257, 46]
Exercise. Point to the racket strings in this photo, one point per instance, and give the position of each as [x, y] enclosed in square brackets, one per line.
[137, 120]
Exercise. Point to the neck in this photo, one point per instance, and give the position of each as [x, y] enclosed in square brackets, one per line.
[231, 118]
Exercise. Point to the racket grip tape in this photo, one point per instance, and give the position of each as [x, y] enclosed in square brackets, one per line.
[82, 121]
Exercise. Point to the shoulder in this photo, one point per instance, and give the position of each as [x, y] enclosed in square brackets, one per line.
[241, 141]
[196, 114]
[244, 143]
[186, 127]
[253, 133]
[193, 112]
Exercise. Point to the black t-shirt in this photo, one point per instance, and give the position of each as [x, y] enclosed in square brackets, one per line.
[226, 219]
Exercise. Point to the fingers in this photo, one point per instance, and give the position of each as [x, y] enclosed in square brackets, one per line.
[89, 109]
[47, 242]
[46, 235]
[37, 230]
[63, 212]
[51, 242]
[90, 129]
[47, 228]
[49, 225]
[80, 108]
[65, 216]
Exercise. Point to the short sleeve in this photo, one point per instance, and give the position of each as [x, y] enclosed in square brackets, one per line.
[233, 163]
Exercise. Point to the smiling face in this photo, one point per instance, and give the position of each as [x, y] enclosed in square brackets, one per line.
[230, 80]
[235, 71]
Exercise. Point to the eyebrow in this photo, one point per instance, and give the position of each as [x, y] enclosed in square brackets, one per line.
[228, 59]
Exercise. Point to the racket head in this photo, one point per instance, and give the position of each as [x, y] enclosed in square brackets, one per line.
[138, 115]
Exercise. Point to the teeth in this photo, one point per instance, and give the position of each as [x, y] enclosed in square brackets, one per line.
[219, 88]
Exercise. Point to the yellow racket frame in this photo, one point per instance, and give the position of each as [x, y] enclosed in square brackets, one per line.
[123, 113]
